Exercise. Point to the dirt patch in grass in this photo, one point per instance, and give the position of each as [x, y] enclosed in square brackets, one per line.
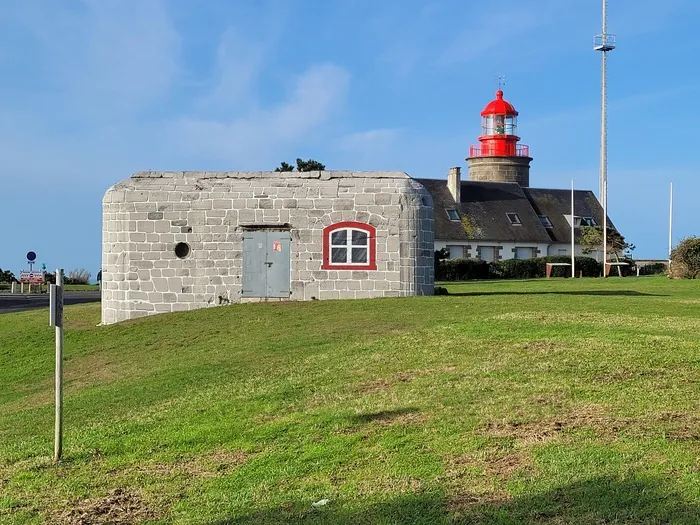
[544, 345]
[460, 502]
[625, 373]
[119, 507]
[587, 416]
[491, 463]
[211, 464]
[684, 426]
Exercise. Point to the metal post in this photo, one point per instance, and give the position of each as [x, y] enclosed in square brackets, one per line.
[57, 320]
[670, 228]
[573, 246]
[605, 229]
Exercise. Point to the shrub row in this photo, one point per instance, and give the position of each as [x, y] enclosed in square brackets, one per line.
[653, 269]
[467, 269]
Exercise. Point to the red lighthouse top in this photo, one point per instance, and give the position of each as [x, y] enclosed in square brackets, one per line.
[499, 122]
[499, 106]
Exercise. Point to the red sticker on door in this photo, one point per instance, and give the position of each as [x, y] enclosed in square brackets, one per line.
[276, 246]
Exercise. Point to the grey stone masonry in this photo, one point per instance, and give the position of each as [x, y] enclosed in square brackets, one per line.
[205, 215]
[500, 169]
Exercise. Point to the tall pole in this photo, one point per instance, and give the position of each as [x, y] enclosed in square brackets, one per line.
[670, 228]
[573, 246]
[58, 323]
[605, 230]
[604, 43]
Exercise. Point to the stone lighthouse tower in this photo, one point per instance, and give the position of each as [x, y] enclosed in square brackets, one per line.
[499, 157]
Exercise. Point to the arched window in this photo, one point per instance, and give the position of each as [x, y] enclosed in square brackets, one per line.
[349, 246]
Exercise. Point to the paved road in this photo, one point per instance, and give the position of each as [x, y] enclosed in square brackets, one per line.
[20, 303]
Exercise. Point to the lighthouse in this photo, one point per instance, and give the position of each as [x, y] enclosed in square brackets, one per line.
[499, 157]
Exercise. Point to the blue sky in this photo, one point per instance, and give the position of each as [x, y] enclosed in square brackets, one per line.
[93, 90]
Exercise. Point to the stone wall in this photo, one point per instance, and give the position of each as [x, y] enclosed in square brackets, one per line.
[145, 217]
[500, 169]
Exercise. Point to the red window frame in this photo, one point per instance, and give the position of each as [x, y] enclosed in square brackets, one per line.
[371, 231]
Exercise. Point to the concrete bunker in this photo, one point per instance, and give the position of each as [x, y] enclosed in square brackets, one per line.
[183, 240]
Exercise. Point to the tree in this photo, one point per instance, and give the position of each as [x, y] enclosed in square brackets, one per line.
[310, 165]
[592, 239]
[285, 167]
[685, 259]
[79, 276]
[6, 276]
[302, 165]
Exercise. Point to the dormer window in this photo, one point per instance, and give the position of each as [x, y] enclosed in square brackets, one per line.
[588, 221]
[514, 219]
[453, 215]
[545, 221]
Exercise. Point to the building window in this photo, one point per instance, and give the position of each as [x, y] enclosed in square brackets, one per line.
[456, 252]
[487, 253]
[523, 253]
[514, 219]
[453, 215]
[588, 221]
[562, 251]
[545, 221]
[349, 246]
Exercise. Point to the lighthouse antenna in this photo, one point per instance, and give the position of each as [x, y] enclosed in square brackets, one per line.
[604, 43]
[501, 81]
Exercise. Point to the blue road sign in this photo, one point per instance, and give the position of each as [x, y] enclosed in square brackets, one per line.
[31, 256]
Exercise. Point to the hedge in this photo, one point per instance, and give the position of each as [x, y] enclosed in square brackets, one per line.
[466, 269]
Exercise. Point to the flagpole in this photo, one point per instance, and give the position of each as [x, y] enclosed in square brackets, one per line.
[670, 227]
[573, 246]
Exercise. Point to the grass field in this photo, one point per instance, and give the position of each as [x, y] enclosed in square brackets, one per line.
[506, 402]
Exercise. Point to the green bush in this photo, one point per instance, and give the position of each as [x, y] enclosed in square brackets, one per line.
[653, 269]
[466, 269]
[440, 290]
[461, 270]
[685, 259]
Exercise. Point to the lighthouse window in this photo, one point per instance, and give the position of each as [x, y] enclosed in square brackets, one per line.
[510, 125]
[500, 124]
[514, 219]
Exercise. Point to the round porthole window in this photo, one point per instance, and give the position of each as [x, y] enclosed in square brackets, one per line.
[182, 250]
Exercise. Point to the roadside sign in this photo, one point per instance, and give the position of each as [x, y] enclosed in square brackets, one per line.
[56, 306]
[31, 256]
[31, 277]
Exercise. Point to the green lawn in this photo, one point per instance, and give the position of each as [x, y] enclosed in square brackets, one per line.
[506, 402]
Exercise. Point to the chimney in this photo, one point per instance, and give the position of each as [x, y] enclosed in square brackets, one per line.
[454, 184]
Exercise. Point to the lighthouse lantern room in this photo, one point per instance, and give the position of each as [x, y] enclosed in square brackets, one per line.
[499, 157]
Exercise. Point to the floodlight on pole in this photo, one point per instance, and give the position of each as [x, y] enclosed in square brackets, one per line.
[604, 43]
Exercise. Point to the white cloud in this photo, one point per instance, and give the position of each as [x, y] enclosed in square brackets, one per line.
[370, 140]
[116, 55]
[253, 138]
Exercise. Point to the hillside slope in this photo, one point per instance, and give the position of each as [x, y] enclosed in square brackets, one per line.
[569, 401]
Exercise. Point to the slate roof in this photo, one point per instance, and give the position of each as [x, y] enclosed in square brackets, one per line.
[557, 203]
[485, 204]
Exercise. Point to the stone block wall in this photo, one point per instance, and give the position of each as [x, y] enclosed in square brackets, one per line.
[500, 169]
[146, 216]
